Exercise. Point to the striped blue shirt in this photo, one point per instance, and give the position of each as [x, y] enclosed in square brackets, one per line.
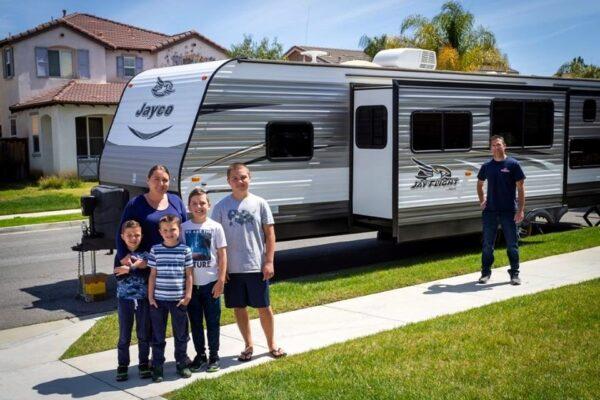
[170, 264]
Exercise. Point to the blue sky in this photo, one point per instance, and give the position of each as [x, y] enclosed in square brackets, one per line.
[537, 35]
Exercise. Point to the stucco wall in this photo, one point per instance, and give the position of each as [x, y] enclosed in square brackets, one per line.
[195, 49]
[26, 84]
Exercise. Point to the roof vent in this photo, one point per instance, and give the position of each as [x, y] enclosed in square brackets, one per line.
[406, 58]
[313, 54]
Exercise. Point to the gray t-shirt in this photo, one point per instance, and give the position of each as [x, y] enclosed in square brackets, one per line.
[243, 223]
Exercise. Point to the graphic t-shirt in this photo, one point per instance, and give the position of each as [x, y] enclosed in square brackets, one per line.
[243, 223]
[502, 177]
[170, 264]
[204, 240]
[134, 285]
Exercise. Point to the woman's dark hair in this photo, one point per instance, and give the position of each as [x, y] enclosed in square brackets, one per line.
[158, 167]
[197, 192]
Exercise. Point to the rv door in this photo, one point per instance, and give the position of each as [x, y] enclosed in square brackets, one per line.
[372, 153]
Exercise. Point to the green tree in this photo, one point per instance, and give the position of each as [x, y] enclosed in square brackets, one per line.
[264, 49]
[577, 68]
[454, 38]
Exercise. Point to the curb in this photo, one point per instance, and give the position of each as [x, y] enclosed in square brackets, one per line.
[39, 227]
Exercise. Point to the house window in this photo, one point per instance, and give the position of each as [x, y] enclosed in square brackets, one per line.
[584, 153]
[441, 130]
[523, 123]
[13, 127]
[128, 66]
[89, 136]
[371, 127]
[589, 110]
[289, 141]
[8, 63]
[35, 133]
[60, 63]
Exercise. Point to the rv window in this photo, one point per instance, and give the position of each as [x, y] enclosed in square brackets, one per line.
[441, 131]
[289, 141]
[371, 127]
[526, 123]
[589, 110]
[584, 153]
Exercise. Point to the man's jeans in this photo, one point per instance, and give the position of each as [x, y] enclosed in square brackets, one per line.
[128, 310]
[179, 323]
[204, 305]
[491, 219]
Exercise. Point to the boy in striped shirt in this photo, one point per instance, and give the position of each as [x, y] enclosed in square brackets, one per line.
[169, 292]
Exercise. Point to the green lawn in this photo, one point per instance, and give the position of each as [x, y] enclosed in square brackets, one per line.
[26, 198]
[314, 290]
[542, 346]
[18, 221]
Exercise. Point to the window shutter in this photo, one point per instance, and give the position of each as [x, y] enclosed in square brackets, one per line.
[4, 61]
[120, 69]
[83, 63]
[139, 65]
[41, 61]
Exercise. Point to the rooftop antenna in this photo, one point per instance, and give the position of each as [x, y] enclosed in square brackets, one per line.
[306, 30]
[313, 54]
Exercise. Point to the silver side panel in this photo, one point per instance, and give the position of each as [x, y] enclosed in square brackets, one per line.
[231, 128]
[578, 128]
[421, 205]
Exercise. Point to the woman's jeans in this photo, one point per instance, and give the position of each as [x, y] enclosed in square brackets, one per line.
[506, 219]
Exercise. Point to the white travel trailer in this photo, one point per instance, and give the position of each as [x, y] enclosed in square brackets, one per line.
[335, 147]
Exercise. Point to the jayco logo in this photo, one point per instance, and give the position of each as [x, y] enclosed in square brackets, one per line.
[162, 88]
[433, 176]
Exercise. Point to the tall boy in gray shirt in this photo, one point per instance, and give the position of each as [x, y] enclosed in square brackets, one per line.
[250, 234]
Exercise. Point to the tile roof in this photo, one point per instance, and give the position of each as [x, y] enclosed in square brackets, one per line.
[75, 92]
[334, 56]
[112, 34]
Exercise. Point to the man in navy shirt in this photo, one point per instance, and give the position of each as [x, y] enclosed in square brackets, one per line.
[504, 177]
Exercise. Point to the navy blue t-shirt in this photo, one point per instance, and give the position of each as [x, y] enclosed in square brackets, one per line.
[502, 177]
[139, 210]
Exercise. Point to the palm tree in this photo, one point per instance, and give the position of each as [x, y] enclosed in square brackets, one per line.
[372, 46]
[577, 68]
[451, 34]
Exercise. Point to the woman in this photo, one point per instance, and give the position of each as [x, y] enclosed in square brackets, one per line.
[146, 210]
[149, 208]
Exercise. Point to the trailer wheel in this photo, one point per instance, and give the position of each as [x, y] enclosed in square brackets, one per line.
[535, 221]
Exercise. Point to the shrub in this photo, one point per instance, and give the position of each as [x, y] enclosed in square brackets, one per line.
[59, 182]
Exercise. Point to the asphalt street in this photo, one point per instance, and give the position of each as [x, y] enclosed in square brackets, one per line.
[38, 269]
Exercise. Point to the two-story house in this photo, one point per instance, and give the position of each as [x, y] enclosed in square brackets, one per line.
[61, 82]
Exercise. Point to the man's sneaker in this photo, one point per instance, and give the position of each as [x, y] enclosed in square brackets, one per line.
[514, 279]
[157, 374]
[145, 371]
[183, 370]
[484, 278]
[199, 363]
[122, 373]
[213, 365]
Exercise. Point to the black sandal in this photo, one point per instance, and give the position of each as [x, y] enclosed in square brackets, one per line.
[278, 353]
[246, 355]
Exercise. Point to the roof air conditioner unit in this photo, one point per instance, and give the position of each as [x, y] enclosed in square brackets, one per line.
[406, 58]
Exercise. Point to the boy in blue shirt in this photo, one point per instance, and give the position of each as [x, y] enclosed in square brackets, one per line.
[132, 296]
[504, 176]
[169, 292]
[207, 241]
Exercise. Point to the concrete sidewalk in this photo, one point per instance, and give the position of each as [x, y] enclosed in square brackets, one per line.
[30, 368]
[41, 214]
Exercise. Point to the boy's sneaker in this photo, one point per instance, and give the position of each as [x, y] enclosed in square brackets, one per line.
[183, 370]
[484, 278]
[199, 363]
[122, 373]
[145, 371]
[514, 279]
[157, 374]
[213, 365]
